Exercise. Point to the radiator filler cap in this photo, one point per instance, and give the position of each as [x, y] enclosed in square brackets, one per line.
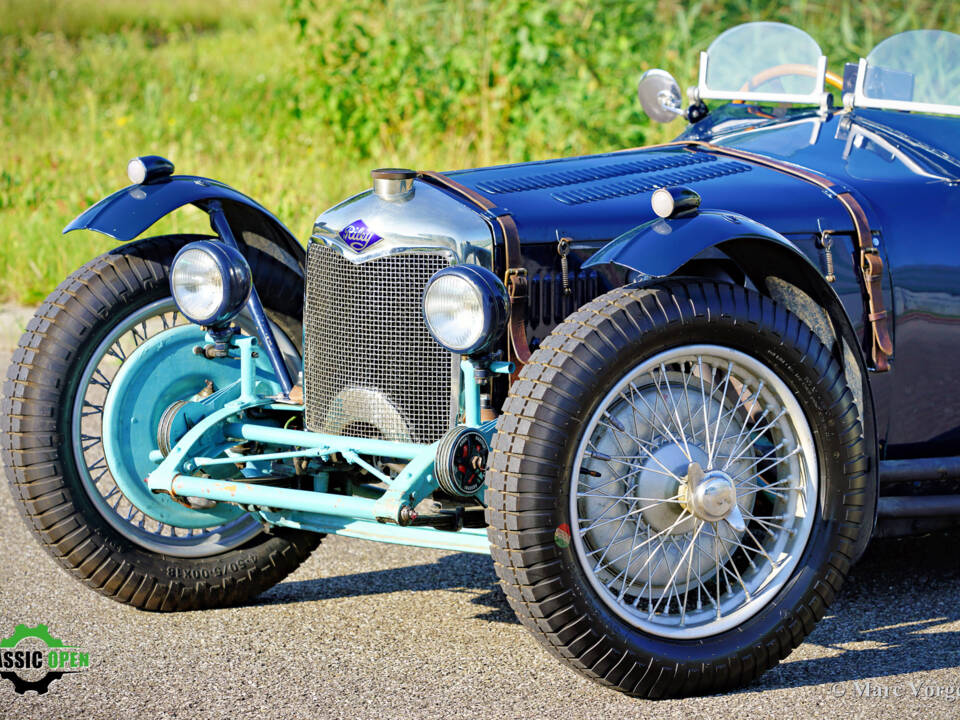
[393, 184]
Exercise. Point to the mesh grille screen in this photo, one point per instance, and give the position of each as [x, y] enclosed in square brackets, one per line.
[371, 368]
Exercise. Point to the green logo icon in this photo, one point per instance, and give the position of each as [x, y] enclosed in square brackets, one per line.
[31, 667]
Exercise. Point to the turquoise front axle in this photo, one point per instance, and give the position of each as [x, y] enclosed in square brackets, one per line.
[208, 429]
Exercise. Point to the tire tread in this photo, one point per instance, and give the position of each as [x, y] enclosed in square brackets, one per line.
[539, 416]
[35, 381]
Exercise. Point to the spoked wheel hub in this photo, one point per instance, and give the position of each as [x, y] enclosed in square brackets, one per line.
[711, 496]
[697, 457]
[692, 490]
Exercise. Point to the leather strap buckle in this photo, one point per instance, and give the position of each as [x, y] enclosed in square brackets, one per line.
[516, 281]
[871, 264]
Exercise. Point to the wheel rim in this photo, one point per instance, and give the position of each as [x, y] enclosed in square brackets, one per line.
[87, 440]
[693, 491]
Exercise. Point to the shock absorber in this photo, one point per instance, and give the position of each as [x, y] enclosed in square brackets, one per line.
[563, 249]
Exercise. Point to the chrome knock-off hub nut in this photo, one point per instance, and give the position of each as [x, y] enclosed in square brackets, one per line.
[712, 496]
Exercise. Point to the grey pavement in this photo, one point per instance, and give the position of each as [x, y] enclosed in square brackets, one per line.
[364, 630]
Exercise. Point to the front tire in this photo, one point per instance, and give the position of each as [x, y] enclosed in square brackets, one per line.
[52, 435]
[677, 482]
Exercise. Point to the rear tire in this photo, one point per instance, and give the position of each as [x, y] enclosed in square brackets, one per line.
[596, 618]
[42, 465]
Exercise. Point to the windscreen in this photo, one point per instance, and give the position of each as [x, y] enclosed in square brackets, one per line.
[919, 67]
[763, 58]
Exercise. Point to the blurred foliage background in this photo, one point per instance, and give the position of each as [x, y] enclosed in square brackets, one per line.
[294, 101]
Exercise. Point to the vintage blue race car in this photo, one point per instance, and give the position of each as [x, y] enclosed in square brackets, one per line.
[673, 391]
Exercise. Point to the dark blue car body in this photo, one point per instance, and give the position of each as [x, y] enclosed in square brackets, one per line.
[754, 221]
[912, 203]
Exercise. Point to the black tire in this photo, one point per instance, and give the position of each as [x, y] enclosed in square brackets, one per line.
[41, 466]
[532, 457]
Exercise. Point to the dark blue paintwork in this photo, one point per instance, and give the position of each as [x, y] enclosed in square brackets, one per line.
[659, 247]
[902, 168]
[128, 212]
[914, 202]
[565, 196]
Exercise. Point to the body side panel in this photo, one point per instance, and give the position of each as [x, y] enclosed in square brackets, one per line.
[914, 204]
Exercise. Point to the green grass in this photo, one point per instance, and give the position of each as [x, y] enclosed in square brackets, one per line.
[75, 19]
[293, 102]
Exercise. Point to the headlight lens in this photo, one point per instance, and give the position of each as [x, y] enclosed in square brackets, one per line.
[465, 308]
[197, 284]
[210, 282]
[454, 312]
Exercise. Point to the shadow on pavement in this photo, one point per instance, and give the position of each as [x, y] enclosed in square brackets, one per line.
[889, 620]
[460, 572]
[884, 623]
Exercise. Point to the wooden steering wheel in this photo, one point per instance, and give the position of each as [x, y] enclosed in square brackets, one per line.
[789, 69]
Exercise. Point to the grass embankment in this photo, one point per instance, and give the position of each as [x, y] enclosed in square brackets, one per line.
[293, 102]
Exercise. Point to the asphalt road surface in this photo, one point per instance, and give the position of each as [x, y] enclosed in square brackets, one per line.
[365, 630]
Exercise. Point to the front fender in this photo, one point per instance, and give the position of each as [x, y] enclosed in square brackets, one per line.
[660, 247]
[128, 212]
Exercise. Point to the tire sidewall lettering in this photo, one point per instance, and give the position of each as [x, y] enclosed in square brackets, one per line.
[223, 569]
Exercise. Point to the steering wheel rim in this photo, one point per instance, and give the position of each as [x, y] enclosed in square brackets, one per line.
[790, 69]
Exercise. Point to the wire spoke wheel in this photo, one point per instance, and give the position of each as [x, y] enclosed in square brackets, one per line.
[692, 492]
[677, 487]
[96, 474]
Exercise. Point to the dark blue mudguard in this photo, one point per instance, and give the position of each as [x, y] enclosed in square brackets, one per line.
[660, 247]
[128, 212]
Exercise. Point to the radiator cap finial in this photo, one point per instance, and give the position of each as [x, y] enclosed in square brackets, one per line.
[393, 184]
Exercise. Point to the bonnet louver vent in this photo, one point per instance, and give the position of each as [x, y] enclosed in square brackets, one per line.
[602, 172]
[622, 188]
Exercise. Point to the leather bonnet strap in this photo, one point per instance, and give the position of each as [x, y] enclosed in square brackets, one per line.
[515, 275]
[869, 260]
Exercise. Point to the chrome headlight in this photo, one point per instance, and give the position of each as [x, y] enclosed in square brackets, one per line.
[465, 308]
[210, 282]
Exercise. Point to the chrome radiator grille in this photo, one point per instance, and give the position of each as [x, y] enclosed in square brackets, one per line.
[370, 367]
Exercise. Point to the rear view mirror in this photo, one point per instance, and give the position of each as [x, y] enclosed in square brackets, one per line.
[659, 95]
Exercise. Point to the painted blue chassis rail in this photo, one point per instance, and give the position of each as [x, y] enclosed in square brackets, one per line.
[382, 519]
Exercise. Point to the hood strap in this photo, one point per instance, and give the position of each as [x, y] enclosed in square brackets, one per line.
[515, 275]
[870, 260]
